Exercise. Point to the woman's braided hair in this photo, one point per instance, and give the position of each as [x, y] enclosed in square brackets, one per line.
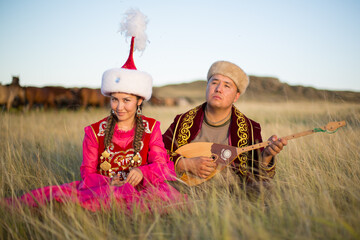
[109, 130]
[139, 131]
[110, 127]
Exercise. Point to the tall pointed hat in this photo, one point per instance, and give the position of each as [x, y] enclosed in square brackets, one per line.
[128, 79]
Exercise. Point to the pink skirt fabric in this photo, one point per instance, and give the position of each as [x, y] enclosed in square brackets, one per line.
[95, 193]
[101, 197]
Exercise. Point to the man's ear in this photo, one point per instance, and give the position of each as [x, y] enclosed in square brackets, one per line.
[237, 96]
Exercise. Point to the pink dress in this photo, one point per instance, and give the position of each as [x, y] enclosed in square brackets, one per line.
[94, 192]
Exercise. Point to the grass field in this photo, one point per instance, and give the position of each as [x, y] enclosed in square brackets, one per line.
[316, 191]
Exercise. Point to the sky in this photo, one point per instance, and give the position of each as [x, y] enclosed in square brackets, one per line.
[71, 43]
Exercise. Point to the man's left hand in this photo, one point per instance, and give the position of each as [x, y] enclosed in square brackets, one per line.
[274, 148]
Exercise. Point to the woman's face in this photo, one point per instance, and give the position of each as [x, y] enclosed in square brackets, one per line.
[124, 105]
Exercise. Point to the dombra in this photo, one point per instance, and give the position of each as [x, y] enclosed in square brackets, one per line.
[224, 155]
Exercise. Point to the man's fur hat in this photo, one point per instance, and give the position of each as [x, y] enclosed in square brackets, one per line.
[231, 71]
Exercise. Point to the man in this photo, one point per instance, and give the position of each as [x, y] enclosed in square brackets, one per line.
[219, 121]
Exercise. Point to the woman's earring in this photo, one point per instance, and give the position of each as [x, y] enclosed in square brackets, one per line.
[112, 111]
[138, 111]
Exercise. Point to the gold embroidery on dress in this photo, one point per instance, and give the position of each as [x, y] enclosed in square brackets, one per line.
[94, 133]
[152, 128]
[146, 126]
[102, 128]
[186, 124]
[243, 140]
[121, 158]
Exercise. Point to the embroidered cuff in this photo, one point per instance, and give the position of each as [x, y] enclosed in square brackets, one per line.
[270, 166]
[177, 161]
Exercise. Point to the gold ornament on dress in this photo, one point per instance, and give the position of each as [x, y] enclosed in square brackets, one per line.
[136, 158]
[105, 165]
[105, 154]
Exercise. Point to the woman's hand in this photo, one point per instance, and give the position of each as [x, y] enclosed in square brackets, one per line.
[115, 181]
[135, 176]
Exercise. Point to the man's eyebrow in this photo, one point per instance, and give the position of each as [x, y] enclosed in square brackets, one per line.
[230, 82]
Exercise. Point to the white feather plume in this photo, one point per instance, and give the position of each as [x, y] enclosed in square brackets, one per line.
[134, 25]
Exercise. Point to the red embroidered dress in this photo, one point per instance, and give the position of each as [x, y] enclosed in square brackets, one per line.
[94, 191]
[120, 158]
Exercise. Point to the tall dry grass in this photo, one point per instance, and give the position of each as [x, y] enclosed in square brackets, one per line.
[315, 195]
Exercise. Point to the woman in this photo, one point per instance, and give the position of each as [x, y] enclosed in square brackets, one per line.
[124, 158]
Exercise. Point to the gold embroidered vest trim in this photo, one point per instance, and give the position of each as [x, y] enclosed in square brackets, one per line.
[186, 124]
[242, 133]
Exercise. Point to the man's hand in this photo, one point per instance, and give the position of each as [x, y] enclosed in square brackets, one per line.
[199, 166]
[273, 149]
[135, 176]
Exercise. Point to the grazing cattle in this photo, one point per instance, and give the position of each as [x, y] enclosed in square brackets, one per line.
[183, 101]
[49, 97]
[92, 97]
[64, 97]
[170, 102]
[156, 101]
[8, 93]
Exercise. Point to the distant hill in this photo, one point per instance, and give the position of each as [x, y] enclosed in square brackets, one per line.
[260, 89]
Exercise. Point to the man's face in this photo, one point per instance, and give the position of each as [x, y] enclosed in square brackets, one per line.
[221, 92]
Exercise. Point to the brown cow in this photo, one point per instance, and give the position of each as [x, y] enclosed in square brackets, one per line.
[92, 97]
[156, 101]
[170, 102]
[8, 93]
[49, 96]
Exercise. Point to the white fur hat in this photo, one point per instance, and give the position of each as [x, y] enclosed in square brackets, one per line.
[128, 79]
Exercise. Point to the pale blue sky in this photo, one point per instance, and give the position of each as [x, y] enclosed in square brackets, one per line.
[72, 42]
